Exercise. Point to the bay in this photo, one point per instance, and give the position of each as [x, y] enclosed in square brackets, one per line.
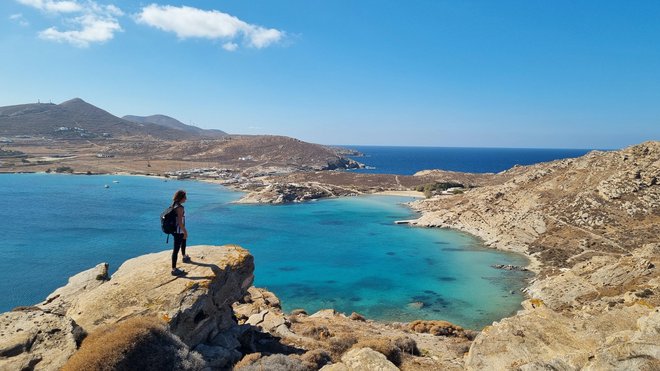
[344, 253]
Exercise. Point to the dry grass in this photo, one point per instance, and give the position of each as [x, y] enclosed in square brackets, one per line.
[138, 343]
[317, 332]
[248, 360]
[437, 328]
[316, 358]
[340, 344]
[276, 362]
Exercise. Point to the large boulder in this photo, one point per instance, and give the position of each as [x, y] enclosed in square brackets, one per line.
[362, 359]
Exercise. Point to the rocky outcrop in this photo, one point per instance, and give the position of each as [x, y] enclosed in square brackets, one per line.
[61, 299]
[281, 193]
[625, 337]
[31, 338]
[196, 308]
[334, 334]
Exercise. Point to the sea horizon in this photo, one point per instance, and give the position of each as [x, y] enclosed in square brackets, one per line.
[348, 146]
[405, 160]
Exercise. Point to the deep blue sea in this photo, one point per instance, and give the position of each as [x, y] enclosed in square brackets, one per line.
[409, 160]
[343, 253]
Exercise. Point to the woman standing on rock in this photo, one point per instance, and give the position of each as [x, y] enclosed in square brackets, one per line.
[181, 234]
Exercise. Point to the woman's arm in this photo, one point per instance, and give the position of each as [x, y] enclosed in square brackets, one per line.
[181, 222]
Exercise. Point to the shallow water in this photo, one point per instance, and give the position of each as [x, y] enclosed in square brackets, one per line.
[342, 253]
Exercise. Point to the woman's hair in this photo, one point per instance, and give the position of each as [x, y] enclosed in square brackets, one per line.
[179, 195]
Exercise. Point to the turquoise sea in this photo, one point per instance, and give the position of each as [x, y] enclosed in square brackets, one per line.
[342, 253]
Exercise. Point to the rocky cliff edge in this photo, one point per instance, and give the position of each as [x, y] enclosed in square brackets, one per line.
[196, 308]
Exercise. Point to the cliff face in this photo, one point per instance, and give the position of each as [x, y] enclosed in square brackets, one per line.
[592, 228]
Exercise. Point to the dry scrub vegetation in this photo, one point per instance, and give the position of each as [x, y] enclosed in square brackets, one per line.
[137, 343]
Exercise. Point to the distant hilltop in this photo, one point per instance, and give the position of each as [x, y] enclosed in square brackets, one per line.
[173, 123]
[77, 119]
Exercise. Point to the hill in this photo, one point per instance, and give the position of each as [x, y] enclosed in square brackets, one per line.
[173, 123]
[77, 119]
[591, 226]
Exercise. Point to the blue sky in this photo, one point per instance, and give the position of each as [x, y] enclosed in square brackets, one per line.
[559, 74]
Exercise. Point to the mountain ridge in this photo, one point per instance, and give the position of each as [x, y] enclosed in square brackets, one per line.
[172, 123]
[77, 119]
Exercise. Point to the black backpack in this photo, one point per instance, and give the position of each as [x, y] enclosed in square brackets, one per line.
[168, 220]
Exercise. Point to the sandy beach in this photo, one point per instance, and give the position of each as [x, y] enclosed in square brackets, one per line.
[401, 193]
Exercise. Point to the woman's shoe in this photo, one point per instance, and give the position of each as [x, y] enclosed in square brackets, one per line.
[186, 259]
[178, 272]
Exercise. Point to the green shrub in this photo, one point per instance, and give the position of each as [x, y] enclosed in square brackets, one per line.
[431, 189]
[64, 169]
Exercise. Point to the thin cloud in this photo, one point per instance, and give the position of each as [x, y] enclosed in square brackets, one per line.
[87, 23]
[187, 22]
[18, 17]
[230, 46]
[63, 6]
